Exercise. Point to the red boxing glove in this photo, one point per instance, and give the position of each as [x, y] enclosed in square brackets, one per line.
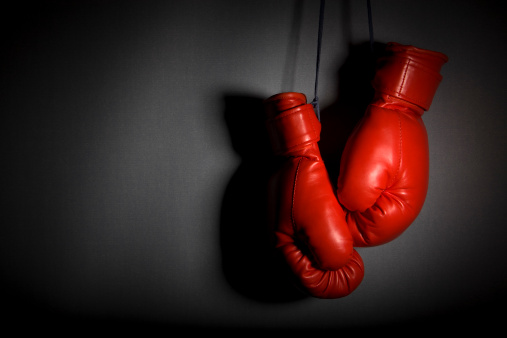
[308, 223]
[384, 167]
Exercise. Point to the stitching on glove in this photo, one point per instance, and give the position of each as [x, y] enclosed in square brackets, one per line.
[413, 100]
[294, 196]
[407, 66]
[399, 153]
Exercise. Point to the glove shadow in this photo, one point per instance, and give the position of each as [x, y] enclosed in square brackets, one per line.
[249, 261]
[355, 92]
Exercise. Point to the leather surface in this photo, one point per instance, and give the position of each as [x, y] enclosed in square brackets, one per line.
[409, 73]
[308, 223]
[291, 125]
[384, 168]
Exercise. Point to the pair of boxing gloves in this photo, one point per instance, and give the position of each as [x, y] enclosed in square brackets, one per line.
[383, 177]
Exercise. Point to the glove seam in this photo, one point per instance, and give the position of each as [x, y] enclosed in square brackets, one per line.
[407, 66]
[401, 96]
[294, 227]
[289, 113]
[386, 108]
[295, 147]
[417, 64]
[400, 145]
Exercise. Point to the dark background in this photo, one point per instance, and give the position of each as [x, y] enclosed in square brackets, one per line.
[134, 163]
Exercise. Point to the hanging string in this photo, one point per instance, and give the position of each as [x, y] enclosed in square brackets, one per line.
[370, 25]
[315, 101]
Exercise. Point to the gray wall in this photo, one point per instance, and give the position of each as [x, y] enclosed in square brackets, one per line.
[134, 163]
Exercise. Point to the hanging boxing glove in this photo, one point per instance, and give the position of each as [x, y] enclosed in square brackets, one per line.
[308, 224]
[384, 168]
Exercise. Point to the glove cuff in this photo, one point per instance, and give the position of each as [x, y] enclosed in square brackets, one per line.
[409, 73]
[292, 124]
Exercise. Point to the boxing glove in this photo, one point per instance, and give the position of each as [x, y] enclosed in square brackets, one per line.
[384, 168]
[308, 224]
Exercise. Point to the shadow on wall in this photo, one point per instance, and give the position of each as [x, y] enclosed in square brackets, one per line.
[249, 262]
[354, 94]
